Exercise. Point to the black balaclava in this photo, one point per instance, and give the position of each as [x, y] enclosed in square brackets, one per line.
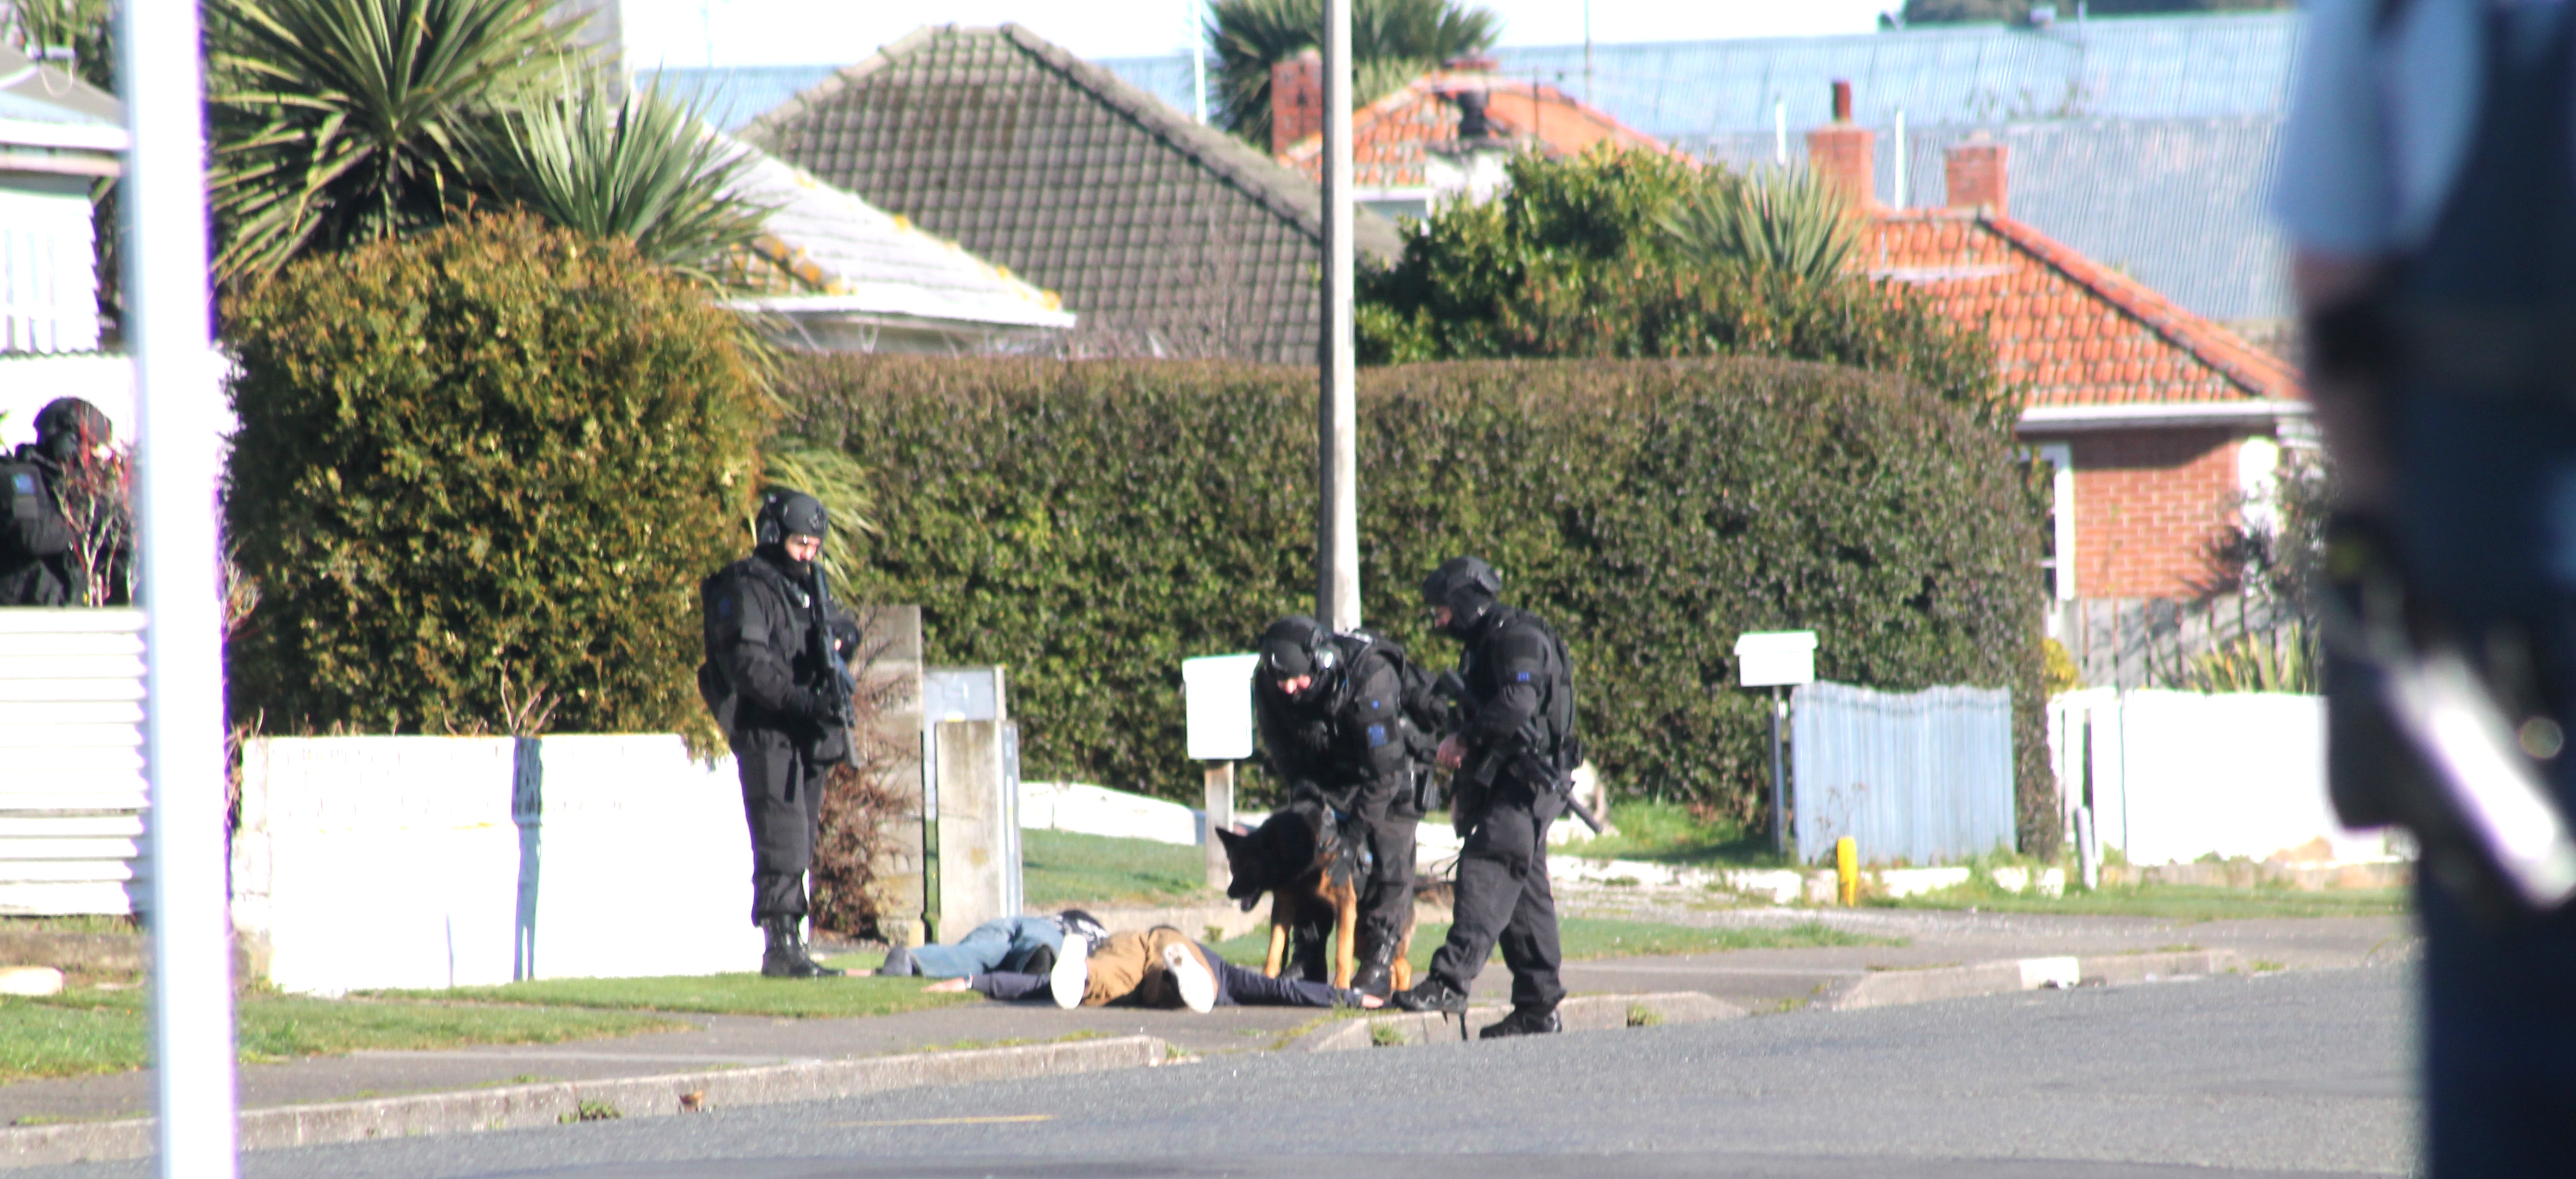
[68, 426]
[1294, 646]
[1468, 587]
[783, 514]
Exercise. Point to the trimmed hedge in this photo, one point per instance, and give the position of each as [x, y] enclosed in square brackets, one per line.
[1091, 524]
[479, 468]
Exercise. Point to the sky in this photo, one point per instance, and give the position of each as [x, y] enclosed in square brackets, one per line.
[839, 32]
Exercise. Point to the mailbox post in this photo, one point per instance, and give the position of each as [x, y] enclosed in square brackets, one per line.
[1216, 696]
[1777, 659]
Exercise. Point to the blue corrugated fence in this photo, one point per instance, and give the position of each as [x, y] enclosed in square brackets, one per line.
[1922, 776]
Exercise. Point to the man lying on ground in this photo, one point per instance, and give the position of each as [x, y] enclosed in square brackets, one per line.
[1158, 968]
[1023, 945]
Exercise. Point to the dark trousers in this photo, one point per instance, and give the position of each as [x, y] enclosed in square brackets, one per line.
[2488, 529]
[782, 797]
[1388, 900]
[1503, 896]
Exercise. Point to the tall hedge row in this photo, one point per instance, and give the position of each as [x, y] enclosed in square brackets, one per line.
[478, 477]
[1091, 524]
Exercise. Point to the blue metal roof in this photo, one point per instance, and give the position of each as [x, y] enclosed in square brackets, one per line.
[735, 95]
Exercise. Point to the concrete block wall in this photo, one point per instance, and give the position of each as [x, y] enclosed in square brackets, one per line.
[371, 862]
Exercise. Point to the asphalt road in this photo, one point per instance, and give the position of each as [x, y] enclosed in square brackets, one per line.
[2300, 1073]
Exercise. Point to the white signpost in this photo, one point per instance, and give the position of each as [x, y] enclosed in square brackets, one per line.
[1776, 659]
[1217, 701]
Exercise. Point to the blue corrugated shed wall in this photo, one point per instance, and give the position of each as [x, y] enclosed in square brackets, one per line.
[1926, 777]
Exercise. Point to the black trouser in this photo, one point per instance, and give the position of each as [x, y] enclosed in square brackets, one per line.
[1503, 895]
[1385, 805]
[782, 796]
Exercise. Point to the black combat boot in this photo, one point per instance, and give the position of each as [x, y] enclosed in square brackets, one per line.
[1524, 1021]
[1376, 973]
[786, 957]
[1431, 994]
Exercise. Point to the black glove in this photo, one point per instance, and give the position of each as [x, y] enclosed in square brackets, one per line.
[809, 704]
[1316, 737]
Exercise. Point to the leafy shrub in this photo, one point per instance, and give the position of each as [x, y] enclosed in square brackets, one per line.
[1576, 260]
[479, 475]
[1091, 524]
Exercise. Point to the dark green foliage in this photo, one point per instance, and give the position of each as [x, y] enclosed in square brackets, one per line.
[1089, 525]
[1392, 42]
[1574, 261]
[479, 474]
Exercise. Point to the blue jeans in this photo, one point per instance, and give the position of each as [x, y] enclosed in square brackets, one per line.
[1003, 944]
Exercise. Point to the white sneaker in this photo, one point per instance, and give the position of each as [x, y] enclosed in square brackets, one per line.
[1198, 987]
[1072, 973]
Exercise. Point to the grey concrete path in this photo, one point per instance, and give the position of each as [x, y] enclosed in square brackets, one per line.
[1758, 980]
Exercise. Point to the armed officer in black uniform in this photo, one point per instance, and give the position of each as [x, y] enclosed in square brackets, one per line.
[40, 561]
[1513, 751]
[1332, 714]
[776, 677]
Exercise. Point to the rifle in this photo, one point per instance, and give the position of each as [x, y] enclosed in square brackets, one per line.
[839, 686]
[1452, 693]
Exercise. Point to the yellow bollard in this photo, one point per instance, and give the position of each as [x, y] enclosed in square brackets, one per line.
[1847, 869]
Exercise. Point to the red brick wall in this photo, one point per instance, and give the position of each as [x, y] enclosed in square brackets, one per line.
[2147, 503]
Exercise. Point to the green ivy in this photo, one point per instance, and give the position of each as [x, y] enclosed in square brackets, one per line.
[479, 468]
[1089, 525]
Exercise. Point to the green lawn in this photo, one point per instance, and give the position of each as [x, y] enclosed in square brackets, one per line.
[714, 994]
[89, 1031]
[1588, 937]
[1060, 868]
[1668, 833]
[2185, 902]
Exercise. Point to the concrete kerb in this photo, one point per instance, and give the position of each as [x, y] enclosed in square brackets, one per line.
[1580, 1013]
[1891, 988]
[621, 1097]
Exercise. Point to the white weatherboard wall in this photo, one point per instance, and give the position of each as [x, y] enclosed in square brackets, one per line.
[2179, 775]
[371, 862]
[71, 761]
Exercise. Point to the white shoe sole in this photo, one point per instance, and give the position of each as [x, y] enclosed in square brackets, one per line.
[1198, 987]
[1072, 973]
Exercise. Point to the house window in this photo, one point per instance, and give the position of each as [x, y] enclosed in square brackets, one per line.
[2057, 543]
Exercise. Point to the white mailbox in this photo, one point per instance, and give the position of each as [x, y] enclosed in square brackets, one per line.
[1217, 698]
[1776, 658]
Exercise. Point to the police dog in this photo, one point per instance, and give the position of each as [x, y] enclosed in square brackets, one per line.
[1308, 858]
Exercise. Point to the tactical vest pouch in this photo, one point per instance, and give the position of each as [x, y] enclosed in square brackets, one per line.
[714, 687]
[22, 506]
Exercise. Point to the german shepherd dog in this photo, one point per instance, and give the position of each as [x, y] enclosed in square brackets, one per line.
[1308, 858]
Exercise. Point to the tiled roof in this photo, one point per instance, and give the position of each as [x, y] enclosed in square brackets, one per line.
[1388, 137]
[2072, 331]
[2178, 204]
[1162, 234]
[831, 249]
[730, 97]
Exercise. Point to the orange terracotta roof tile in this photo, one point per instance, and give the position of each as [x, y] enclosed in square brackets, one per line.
[1390, 137]
[2072, 331]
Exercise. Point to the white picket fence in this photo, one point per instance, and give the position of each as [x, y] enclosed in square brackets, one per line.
[2175, 776]
[72, 792]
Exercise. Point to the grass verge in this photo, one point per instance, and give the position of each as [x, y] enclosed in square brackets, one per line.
[1668, 833]
[2180, 902]
[81, 1031]
[1591, 937]
[1062, 868]
[714, 994]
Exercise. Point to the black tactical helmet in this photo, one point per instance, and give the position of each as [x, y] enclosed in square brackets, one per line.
[1467, 586]
[785, 513]
[68, 426]
[1295, 646]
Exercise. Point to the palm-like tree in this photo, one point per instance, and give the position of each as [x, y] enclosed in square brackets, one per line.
[338, 122]
[645, 168]
[1392, 42]
[1791, 221]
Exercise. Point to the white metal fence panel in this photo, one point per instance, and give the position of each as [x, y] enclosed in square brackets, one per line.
[1921, 777]
[71, 739]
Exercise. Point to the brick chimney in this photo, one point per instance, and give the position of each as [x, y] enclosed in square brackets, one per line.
[1975, 171]
[1296, 100]
[1843, 154]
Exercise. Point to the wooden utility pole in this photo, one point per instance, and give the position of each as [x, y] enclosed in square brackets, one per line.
[1337, 525]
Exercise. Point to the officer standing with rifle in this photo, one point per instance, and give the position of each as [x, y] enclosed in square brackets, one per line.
[2428, 184]
[1332, 710]
[777, 678]
[41, 549]
[1514, 750]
